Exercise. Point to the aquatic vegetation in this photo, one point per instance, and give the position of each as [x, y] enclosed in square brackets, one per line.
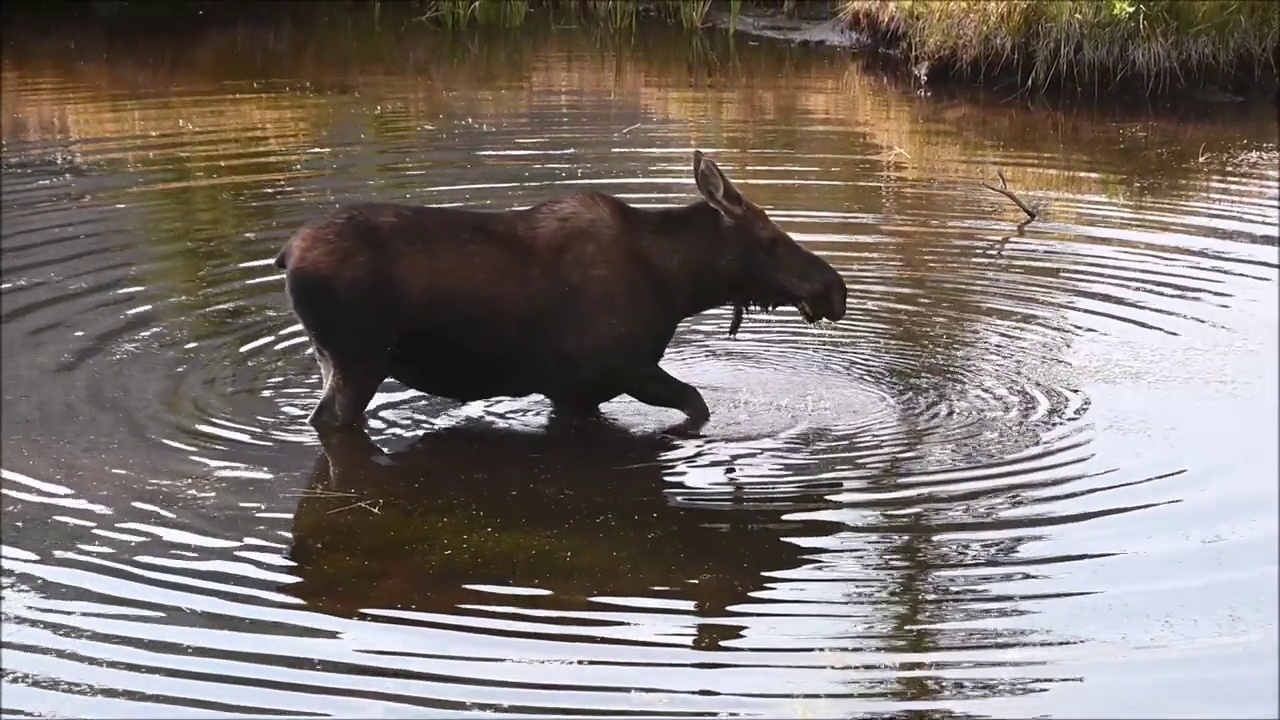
[1084, 44]
[614, 14]
[458, 13]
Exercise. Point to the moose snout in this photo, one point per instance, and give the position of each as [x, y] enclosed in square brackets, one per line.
[837, 297]
[826, 296]
[823, 299]
[822, 294]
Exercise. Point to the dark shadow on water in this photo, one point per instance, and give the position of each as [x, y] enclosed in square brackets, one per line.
[579, 511]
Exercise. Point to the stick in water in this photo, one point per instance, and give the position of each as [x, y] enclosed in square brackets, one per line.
[736, 323]
[1004, 190]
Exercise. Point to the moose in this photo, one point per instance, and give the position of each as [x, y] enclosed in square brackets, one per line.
[575, 298]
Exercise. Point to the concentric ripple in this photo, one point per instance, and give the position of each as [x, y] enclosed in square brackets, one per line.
[1030, 472]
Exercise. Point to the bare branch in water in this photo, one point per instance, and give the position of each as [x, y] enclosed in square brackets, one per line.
[1032, 213]
[375, 509]
[318, 493]
[738, 310]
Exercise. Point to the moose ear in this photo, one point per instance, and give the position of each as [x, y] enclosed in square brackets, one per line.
[715, 187]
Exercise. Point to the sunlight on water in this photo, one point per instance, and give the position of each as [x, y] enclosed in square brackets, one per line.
[1029, 473]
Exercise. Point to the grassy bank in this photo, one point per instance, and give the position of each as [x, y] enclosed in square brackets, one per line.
[452, 14]
[1089, 45]
[613, 13]
[1081, 44]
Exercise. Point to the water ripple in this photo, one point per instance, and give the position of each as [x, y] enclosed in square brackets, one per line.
[1018, 459]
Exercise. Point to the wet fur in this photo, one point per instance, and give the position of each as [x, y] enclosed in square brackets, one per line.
[575, 298]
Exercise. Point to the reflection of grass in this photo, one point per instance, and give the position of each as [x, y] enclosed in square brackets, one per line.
[1082, 43]
[728, 93]
[957, 138]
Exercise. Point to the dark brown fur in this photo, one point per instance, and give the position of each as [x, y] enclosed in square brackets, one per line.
[575, 298]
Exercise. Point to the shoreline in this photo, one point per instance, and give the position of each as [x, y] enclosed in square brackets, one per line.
[1196, 50]
[890, 55]
[918, 47]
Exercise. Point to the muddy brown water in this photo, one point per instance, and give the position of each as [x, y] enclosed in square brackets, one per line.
[1028, 474]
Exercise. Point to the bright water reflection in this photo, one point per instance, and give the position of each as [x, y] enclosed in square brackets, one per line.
[1027, 474]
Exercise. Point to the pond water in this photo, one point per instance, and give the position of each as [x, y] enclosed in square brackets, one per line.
[1029, 473]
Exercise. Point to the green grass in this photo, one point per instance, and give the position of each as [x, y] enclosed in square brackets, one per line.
[449, 14]
[1160, 44]
[459, 13]
[617, 14]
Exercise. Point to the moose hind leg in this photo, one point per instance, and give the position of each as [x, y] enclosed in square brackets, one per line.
[352, 372]
[351, 338]
[346, 395]
[325, 411]
[326, 367]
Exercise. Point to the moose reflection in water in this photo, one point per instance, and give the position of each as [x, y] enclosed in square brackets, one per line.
[578, 510]
[575, 298]
[588, 512]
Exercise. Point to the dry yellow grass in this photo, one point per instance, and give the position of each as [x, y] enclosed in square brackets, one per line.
[1081, 43]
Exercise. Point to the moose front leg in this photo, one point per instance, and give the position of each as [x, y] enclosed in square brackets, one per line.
[653, 386]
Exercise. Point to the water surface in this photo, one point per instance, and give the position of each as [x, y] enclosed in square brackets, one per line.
[1030, 473]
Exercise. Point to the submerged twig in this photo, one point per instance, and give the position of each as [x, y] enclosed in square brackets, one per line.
[1032, 213]
[318, 493]
[892, 153]
[362, 504]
